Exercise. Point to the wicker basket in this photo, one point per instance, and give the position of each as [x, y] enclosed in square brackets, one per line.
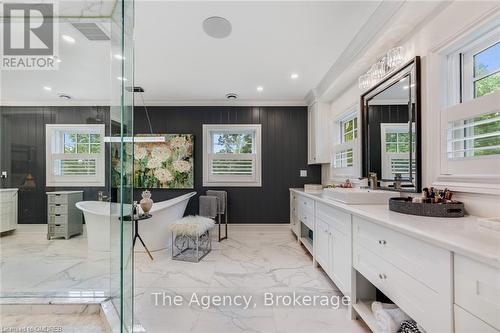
[403, 205]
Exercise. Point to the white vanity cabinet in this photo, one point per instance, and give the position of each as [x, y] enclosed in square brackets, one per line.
[444, 274]
[415, 275]
[318, 133]
[8, 209]
[477, 296]
[332, 244]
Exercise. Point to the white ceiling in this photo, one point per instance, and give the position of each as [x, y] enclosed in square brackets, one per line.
[84, 73]
[175, 61]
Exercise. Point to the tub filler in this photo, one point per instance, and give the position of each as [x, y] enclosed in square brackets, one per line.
[101, 216]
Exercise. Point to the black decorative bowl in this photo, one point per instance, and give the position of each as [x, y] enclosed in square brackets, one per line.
[405, 206]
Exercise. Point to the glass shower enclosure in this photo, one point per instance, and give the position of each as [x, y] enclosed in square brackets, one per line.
[66, 156]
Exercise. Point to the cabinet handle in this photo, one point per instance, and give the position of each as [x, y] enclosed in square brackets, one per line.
[382, 242]
[382, 276]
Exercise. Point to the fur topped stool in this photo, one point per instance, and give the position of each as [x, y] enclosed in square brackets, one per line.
[191, 238]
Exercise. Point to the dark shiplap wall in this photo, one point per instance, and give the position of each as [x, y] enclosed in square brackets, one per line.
[22, 152]
[284, 154]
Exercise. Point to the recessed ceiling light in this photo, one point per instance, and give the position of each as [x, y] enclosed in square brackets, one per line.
[47, 88]
[122, 78]
[119, 57]
[69, 39]
[217, 27]
[260, 88]
[294, 76]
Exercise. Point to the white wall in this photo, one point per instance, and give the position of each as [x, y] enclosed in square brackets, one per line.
[454, 20]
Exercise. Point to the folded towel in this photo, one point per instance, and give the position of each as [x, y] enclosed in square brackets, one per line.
[222, 195]
[208, 206]
[388, 316]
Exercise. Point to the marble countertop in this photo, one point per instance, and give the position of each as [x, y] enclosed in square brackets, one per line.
[460, 235]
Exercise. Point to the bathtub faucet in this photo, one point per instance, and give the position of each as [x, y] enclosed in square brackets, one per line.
[102, 197]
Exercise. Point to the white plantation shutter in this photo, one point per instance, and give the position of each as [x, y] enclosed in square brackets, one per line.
[65, 165]
[466, 151]
[231, 168]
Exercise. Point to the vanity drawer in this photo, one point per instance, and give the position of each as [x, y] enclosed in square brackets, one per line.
[477, 289]
[57, 199]
[468, 323]
[57, 209]
[307, 219]
[428, 264]
[335, 217]
[429, 308]
[305, 203]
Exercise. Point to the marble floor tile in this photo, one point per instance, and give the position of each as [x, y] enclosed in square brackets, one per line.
[254, 260]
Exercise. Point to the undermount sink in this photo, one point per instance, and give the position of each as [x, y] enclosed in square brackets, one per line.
[358, 196]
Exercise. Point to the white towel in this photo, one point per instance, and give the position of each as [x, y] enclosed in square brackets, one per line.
[388, 316]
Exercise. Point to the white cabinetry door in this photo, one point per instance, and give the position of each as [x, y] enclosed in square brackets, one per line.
[322, 251]
[294, 218]
[333, 244]
[318, 133]
[341, 259]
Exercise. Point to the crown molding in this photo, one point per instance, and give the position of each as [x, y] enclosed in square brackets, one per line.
[224, 103]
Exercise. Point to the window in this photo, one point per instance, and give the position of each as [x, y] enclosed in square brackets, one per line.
[349, 128]
[343, 159]
[478, 64]
[463, 128]
[231, 155]
[75, 155]
[346, 146]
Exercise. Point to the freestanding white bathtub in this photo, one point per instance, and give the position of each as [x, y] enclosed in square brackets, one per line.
[154, 231]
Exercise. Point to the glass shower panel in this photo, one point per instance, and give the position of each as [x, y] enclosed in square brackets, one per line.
[122, 254]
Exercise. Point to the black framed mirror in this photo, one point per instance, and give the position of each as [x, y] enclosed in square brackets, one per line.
[391, 130]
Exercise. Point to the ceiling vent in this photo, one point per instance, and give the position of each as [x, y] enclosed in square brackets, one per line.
[232, 96]
[91, 31]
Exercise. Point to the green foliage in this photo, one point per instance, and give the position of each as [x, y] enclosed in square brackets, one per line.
[235, 143]
[487, 85]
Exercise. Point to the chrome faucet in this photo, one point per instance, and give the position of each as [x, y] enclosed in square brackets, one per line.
[102, 197]
[397, 182]
[372, 176]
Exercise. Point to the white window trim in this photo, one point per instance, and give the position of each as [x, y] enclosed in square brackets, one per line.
[440, 97]
[354, 171]
[348, 116]
[232, 181]
[73, 181]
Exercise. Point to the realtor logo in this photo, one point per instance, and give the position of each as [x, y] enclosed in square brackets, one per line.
[28, 36]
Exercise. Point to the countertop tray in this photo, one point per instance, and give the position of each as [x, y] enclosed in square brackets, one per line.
[403, 205]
